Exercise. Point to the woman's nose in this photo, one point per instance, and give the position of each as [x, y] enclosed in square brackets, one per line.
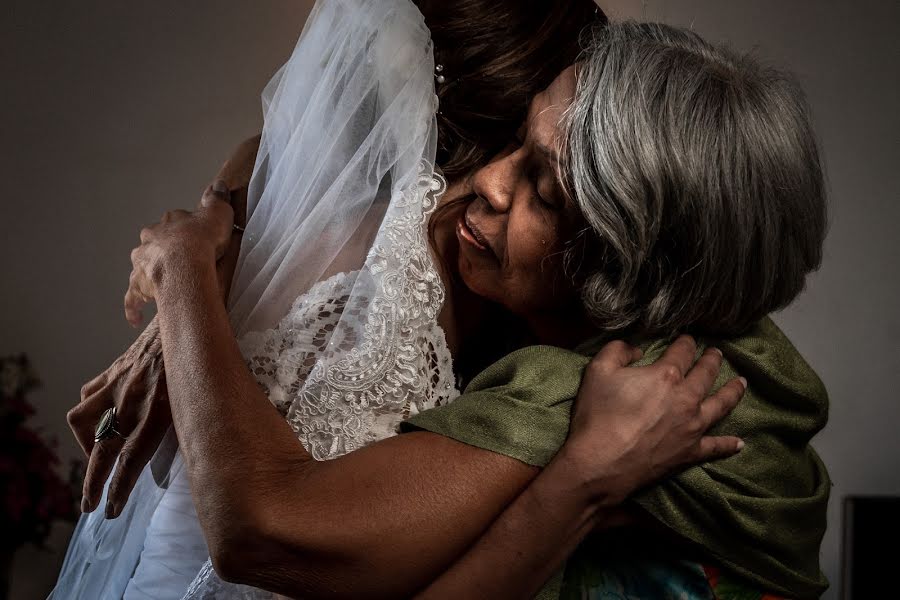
[496, 181]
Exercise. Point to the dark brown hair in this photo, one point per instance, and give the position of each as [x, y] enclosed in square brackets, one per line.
[496, 55]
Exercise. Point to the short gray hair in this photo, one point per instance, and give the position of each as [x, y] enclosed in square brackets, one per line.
[698, 173]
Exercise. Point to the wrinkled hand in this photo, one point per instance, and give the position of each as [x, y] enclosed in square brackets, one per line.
[634, 425]
[136, 385]
[181, 239]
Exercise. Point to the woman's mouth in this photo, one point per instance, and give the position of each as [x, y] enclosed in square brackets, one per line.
[468, 232]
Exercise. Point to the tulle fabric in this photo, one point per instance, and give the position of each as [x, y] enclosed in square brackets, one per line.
[348, 146]
[348, 121]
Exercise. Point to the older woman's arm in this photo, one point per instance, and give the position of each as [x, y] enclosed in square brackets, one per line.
[383, 521]
[135, 383]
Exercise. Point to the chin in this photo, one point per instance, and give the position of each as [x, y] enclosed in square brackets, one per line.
[473, 280]
[483, 285]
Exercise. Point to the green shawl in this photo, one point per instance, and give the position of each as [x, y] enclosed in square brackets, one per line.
[759, 514]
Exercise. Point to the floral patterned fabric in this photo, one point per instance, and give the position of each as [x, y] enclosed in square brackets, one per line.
[631, 565]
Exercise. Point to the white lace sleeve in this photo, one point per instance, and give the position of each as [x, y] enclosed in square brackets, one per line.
[393, 362]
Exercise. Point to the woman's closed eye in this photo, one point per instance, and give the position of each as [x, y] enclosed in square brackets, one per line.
[541, 180]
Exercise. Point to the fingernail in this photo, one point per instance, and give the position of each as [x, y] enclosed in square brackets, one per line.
[112, 511]
[743, 382]
[220, 187]
[85, 505]
[740, 445]
[717, 351]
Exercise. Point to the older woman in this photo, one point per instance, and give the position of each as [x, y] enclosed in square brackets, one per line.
[669, 175]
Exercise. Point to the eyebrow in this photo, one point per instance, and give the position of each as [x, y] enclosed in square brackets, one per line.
[549, 153]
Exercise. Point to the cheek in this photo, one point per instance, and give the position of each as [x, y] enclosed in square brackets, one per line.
[534, 277]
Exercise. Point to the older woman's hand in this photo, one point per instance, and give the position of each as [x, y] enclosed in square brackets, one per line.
[135, 384]
[634, 425]
[180, 240]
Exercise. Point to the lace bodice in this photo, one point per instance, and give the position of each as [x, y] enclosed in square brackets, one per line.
[356, 354]
[388, 370]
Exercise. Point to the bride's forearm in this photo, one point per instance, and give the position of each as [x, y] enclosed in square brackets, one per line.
[528, 542]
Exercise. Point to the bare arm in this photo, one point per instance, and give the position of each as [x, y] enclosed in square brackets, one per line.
[387, 519]
[379, 522]
[136, 384]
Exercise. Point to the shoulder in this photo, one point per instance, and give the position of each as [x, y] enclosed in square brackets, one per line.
[518, 406]
[546, 368]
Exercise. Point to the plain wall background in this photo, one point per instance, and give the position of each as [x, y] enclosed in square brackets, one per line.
[114, 112]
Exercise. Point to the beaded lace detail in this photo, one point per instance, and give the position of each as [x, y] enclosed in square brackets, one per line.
[358, 353]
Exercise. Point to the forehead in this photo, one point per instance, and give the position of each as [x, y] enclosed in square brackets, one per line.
[547, 108]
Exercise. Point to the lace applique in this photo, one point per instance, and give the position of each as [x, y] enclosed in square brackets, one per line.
[358, 353]
[344, 366]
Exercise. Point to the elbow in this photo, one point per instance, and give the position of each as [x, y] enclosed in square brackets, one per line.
[235, 538]
[255, 559]
[227, 566]
[231, 552]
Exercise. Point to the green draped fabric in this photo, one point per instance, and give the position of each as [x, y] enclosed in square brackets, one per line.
[759, 514]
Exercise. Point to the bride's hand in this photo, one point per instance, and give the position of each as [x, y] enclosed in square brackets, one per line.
[180, 240]
[634, 425]
[135, 384]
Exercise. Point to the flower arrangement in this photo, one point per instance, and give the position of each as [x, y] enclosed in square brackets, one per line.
[33, 492]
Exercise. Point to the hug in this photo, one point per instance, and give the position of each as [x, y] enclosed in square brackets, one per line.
[485, 319]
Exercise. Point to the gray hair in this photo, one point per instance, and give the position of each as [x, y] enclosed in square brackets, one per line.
[698, 173]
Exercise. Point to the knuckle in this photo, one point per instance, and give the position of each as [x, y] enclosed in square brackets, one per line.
[617, 346]
[596, 363]
[126, 458]
[73, 416]
[670, 374]
[695, 428]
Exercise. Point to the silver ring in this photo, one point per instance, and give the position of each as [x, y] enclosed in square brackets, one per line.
[237, 228]
[106, 426]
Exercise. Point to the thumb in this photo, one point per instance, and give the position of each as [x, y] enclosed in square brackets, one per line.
[217, 192]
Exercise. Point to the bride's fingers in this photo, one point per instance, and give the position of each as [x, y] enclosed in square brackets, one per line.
[679, 354]
[715, 448]
[703, 374]
[720, 404]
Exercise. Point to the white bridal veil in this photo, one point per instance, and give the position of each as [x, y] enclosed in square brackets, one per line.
[341, 191]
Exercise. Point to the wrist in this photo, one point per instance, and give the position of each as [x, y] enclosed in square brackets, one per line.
[179, 266]
[569, 479]
[591, 476]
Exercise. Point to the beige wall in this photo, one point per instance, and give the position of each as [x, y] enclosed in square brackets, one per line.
[113, 112]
